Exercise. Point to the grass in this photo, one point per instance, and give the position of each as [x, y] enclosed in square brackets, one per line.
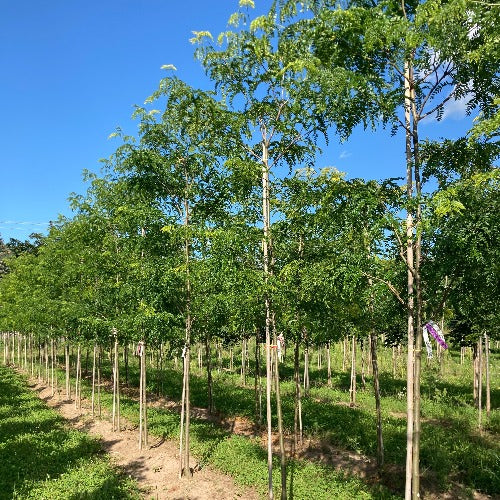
[41, 458]
[452, 449]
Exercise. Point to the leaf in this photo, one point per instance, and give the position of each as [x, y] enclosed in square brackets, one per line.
[199, 36]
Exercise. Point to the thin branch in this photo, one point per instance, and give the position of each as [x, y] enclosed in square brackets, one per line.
[433, 110]
[389, 285]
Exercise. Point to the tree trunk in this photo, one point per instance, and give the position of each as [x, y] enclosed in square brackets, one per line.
[297, 422]
[66, 356]
[267, 258]
[363, 353]
[183, 407]
[378, 406]
[480, 382]
[329, 364]
[280, 422]
[185, 468]
[209, 375]
[344, 353]
[243, 362]
[418, 315]
[475, 381]
[410, 382]
[352, 389]
[99, 360]
[258, 383]
[46, 356]
[32, 359]
[143, 412]
[116, 386]
[487, 362]
[306, 366]
[78, 380]
[94, 359]
[52, 367]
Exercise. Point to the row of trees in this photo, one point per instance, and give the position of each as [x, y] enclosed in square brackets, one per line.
[215, 221]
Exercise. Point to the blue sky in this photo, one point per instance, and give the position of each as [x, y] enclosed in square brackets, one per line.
[72, 72]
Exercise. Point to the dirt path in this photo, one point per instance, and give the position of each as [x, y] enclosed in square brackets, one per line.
[156, 469]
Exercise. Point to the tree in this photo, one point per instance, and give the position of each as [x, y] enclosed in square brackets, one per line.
[261, 72]
[402, 63]
[176, 167]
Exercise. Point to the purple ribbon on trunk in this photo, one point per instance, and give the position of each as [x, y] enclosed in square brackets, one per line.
[434, 330]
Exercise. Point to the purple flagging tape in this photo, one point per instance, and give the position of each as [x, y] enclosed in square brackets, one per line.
[436, 333]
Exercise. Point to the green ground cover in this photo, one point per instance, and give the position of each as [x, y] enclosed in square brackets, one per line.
[452, 448]
[42, 458]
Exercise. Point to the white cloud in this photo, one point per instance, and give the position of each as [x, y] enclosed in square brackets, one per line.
[456, 108]
[344, 155]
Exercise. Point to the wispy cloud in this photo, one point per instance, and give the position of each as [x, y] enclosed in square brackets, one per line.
[344, 154]
[456, 108]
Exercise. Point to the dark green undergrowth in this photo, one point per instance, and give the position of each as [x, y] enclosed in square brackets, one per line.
[41, 458]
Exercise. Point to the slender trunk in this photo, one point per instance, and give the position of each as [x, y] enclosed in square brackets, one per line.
[208, 355]
[267, 256]
[378, 407]
[418, 312]
[297, 423]
[329, 364]
[187, 347]
[78, 378]
[258, 383]
[141, 391]
[99, 360]
[32, 359]
[243, 362]
[26, 353]
[125, 362]
[306, 365]
[183, 406]
[53, 377]
[344, 354]
[143, 412]
[410, 287]
[352, 390]
[475, 369]
[68, 384]
[94, 357]
[46, 355]
[116, 385]
[363, 381]
[487, 362]
[280, 422]
[480, 382]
